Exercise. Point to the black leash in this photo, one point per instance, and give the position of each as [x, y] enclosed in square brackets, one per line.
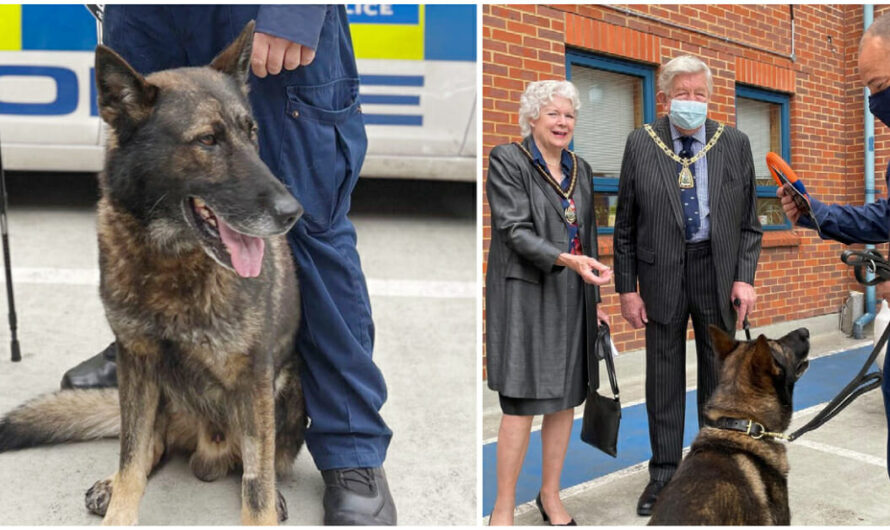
[13, 326]
[862, 261]
[745, 324]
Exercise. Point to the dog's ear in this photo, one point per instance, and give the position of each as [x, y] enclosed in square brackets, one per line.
[793, 357]
[723, 344]
[235, 59]
[125, 98]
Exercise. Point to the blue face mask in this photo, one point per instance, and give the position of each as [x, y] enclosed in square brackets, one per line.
[689, 115]
[879, 105]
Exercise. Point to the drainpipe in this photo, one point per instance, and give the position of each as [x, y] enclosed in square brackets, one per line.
[868, 13]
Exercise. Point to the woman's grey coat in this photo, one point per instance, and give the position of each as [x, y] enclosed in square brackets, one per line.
[525, 299]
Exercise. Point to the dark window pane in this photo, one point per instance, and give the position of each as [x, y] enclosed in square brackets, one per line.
[604, 205]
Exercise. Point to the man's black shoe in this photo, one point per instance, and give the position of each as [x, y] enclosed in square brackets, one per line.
[357, 496]
[649, 496]
[99, 371]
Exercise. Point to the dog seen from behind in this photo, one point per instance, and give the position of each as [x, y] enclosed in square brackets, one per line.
[199, 288]
[736, 470]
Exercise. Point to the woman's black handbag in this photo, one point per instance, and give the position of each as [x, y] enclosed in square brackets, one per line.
[602, 414]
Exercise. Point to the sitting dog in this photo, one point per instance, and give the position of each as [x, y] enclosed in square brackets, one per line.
[736, 472]
[199, 288]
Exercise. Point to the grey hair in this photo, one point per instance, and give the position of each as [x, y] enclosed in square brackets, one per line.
[538, 94]
[880, 28]
[684, 64]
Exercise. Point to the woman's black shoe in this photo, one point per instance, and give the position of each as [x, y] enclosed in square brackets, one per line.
[546, 517]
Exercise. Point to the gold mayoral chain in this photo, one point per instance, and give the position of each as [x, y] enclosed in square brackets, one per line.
[570, 214]
[685, 180]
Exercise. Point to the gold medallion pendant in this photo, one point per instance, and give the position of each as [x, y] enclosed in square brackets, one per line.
[571, 217]
[686, 179]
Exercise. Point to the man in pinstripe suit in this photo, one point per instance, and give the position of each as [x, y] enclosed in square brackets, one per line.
[687, 230]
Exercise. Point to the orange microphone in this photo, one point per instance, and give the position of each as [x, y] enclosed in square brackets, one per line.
[787, 179]
[782, 172]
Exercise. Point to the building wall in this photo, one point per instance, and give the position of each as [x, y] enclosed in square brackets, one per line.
[798, 275]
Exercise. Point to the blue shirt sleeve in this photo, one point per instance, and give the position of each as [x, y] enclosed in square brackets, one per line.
[869, 223]
[296, 23]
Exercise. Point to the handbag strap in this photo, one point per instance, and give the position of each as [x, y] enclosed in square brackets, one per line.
[603, 340]
[610, 363]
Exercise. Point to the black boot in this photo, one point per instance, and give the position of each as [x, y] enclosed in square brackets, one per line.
[357, 496]
[99, 371]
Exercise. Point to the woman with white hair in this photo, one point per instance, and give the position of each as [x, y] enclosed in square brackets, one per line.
[541, 291]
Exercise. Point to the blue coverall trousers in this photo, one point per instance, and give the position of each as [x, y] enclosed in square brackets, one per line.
[312, 137]
[868, 223]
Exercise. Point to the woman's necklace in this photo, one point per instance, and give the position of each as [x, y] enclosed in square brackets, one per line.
[570, 213]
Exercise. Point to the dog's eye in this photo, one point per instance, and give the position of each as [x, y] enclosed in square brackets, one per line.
[207, 139]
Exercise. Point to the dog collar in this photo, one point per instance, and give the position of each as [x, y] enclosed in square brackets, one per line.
[750, 427]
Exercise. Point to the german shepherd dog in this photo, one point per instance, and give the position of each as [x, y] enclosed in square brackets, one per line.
[730, 477]
[199, 288]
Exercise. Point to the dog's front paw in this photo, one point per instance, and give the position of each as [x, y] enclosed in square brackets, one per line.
[98, 497]
[206, 468]
[281, 506]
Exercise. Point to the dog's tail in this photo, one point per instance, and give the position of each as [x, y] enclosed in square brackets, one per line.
[64, 416]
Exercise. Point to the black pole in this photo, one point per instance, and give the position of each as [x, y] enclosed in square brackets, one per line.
[16, 352]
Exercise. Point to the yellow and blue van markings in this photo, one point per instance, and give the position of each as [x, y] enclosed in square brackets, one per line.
[408, 32]
[379, 31]
[46, 27]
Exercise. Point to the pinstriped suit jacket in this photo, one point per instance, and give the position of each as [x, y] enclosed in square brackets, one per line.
[649, 228]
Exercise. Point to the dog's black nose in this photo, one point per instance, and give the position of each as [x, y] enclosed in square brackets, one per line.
[287, 209]
[804, 333]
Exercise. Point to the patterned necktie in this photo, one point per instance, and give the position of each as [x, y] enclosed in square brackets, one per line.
[688, 195]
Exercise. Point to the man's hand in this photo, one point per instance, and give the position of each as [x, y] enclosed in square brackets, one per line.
[788, 204]
[744, 293]
[271, 53]
[633, 310]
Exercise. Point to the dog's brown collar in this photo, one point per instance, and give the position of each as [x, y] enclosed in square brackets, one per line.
[750, 427]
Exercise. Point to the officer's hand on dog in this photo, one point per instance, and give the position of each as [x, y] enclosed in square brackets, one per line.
[271, 53]
[633, 310]
[744, 293]
[788, 204]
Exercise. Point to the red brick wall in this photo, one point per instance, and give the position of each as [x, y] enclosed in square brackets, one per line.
[798, 276]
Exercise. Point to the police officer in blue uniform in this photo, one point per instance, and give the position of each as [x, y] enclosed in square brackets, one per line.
[869, 223]
[304, 94]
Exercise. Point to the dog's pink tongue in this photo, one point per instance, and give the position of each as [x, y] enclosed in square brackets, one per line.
[246, 251]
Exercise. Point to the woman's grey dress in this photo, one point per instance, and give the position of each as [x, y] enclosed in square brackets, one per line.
[576, 365]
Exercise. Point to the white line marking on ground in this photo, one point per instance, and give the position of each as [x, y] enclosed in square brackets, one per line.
[840, 451]
[376, 287]
[55, 276]
[422, 288]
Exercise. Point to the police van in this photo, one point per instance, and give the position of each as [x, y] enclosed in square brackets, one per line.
[417, 67]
